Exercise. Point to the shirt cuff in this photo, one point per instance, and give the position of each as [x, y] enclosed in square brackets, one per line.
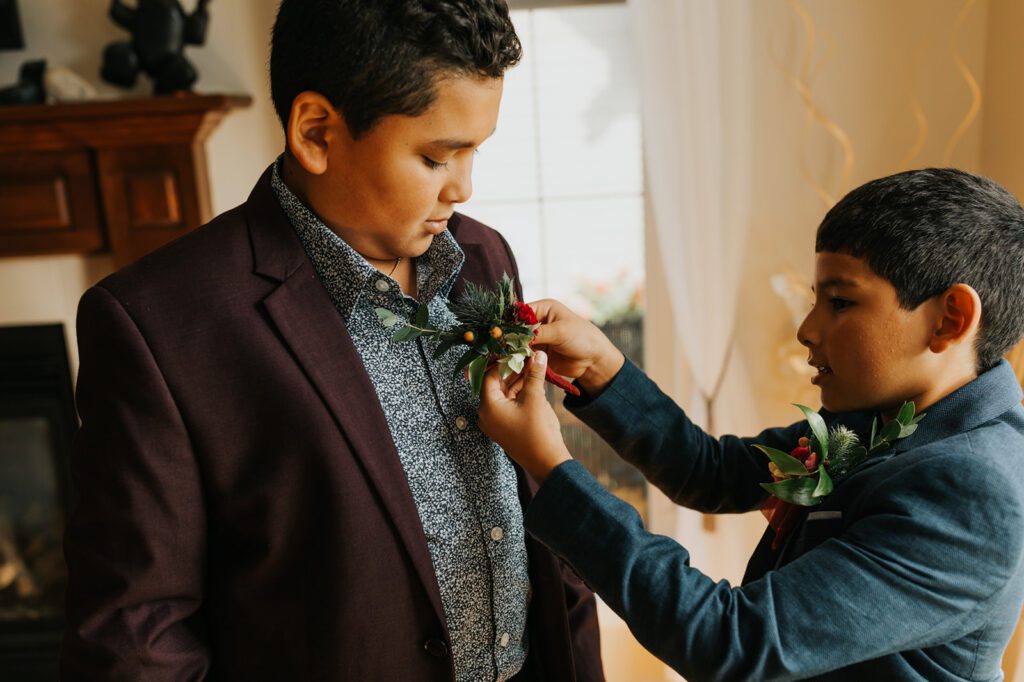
[630, 387]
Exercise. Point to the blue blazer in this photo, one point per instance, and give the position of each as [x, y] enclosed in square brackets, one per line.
[912, 569]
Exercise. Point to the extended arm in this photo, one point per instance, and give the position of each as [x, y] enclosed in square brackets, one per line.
[693, 469]
[135, 541]
[857, 597]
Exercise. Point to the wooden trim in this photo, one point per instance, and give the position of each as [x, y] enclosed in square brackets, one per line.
[117, 123]
[128, 174]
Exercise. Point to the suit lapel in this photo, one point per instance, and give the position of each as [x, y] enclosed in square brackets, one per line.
[310, 326]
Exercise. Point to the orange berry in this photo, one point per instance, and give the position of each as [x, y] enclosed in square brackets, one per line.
[496, 333]
[803, 442]
[469, 337]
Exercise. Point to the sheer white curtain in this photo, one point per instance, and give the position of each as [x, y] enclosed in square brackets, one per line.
[694, 63]
[694, 94]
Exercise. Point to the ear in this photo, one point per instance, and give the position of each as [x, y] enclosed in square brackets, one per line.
[312, 127]
[961, 317]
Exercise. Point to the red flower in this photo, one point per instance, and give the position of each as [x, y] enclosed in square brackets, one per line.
[812, 461]
[525, 314]
[801, 453]
[804, 454]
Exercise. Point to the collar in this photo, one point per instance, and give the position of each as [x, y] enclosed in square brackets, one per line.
[345, 273]
[990, 395]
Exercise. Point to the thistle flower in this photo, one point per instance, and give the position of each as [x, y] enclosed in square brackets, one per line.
[476, 307]
[845, 451]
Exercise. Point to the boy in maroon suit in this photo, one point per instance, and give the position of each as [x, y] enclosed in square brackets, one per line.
[268, 487]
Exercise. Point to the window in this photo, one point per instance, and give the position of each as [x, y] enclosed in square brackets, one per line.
[562, 179]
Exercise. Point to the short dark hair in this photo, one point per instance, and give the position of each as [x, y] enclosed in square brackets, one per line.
[375, 58]
[926, 230]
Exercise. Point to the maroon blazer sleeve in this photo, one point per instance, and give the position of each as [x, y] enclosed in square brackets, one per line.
[135, 539]
[580, 603]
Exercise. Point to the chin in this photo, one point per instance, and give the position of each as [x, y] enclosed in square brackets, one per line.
[420, 246]
[839, 404]
[836, 404]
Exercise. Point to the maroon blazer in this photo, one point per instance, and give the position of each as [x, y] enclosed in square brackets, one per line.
[242, 513]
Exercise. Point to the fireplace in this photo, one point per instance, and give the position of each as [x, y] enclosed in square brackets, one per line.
[37, 424]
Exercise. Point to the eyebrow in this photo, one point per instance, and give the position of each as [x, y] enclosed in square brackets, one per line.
[451, 143]
[836, 283]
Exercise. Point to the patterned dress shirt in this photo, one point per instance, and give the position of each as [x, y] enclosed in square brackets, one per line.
[463, 485]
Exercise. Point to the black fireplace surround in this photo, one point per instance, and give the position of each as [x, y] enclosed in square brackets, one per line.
[37, 425]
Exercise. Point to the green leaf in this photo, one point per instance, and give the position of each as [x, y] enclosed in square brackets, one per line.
[469, 356]
[906, 414]
[386, 317]
[423, 316]
[477, 369]
[824, 483]
[516, 362]
[494, 347]
[874, 431]
[919, 417]
[517, 342]
[906, 430]
[787, 464]
[799, 491]
[818, 427]
[890, 431]
[406, 334]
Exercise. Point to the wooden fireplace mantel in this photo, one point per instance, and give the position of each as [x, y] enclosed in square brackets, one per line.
[120, 176]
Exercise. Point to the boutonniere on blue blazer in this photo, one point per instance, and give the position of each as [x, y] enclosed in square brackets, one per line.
[804, 476]
[495, 325]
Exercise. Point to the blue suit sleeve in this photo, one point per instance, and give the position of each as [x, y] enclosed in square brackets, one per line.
[856, 597]
[648, 430]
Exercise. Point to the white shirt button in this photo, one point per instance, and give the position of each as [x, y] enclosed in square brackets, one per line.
[497, 534]
[382, 285]
[504, 639]
[461, 423]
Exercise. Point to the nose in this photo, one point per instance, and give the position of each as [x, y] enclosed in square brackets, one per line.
[808, 334]
[459, 186]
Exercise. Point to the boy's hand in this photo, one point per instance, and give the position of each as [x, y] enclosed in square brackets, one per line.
[576, 347]
[519, 418]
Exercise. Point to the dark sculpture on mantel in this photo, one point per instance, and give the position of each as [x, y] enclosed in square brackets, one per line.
[160, 30]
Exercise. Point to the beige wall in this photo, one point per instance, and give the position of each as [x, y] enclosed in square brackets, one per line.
[73, 33]
[1002, 146]
[870, 62]
[872, 59]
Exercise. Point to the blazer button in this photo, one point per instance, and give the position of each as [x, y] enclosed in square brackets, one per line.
[436, 647]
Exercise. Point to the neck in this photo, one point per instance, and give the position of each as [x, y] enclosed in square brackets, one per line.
[933, 394]
[403, 272]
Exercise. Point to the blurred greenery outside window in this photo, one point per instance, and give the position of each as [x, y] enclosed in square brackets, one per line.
[562, 179]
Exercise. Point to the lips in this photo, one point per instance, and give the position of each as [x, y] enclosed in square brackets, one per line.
[437, 225]
[823, 371]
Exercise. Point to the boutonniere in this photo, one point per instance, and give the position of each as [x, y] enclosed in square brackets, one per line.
[494, 326]
[804, 476]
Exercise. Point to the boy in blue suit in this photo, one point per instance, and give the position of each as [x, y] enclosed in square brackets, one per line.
[913, 567]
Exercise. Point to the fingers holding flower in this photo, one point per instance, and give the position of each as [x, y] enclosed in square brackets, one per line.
[517, 416]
